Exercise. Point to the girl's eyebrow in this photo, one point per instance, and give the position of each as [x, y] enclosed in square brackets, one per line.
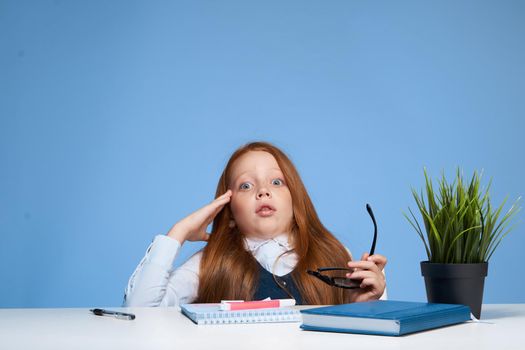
[236, 179]
[246, 173]
[250, 173]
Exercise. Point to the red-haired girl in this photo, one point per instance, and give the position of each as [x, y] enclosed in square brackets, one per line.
[265, 235]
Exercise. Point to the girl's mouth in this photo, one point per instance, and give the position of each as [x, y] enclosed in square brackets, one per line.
[265, 210]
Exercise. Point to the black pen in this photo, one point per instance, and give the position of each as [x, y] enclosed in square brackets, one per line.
[116, 314]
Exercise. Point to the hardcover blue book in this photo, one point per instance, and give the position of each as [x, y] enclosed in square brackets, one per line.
[383, 317]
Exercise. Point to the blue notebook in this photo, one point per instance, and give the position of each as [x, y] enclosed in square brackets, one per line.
[383, 317]
[211, 314]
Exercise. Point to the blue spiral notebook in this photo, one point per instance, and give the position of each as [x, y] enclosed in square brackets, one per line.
[383, 317]
[211, 314]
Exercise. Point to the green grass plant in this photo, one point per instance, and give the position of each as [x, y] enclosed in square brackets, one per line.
[461, 225]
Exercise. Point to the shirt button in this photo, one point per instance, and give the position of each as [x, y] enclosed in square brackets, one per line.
[284, 283]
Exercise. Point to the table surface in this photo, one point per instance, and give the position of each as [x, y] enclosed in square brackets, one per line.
[502, 327]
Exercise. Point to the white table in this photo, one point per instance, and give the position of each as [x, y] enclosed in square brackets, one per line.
[502, 327]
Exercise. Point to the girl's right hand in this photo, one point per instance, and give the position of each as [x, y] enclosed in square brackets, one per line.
[193, 227]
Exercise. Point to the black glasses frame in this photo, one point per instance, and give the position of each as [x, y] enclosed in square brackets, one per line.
[343, 282]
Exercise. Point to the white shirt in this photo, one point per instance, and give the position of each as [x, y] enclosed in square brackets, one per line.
[155, 283]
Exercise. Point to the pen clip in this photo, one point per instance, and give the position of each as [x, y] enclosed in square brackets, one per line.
[124, 316]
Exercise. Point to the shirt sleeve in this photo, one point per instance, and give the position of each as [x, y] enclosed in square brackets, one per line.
[156, 283]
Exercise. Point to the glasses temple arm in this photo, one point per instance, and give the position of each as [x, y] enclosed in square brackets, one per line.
[323, 278]
[371, 213]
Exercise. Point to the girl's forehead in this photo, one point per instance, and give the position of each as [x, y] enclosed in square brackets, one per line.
[254, 162]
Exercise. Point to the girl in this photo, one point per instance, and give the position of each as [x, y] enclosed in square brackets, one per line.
[265, 235]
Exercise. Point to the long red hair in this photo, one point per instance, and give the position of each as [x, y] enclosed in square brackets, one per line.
[229, 271]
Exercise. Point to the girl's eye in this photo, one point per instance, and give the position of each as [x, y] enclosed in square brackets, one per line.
[245, 186]
[277, 182]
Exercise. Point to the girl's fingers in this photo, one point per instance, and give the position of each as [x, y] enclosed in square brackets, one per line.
[369, 271]
[195, 224]
[224, 198]
[219, 202]
[363, 265]
[369, 262]
[216, 211]
[214, 207]
[212, 215]
[379, 260]
[361, 274]
[370, 283]
[225, 195]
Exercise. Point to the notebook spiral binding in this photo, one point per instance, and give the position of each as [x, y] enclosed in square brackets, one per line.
[241, 316]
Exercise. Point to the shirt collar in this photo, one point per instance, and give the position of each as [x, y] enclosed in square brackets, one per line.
[253, 244]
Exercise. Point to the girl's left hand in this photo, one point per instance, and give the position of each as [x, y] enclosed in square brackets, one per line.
[370, 270]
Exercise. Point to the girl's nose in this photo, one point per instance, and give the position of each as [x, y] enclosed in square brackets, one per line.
[264, 193]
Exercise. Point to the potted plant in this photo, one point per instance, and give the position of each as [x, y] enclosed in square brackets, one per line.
[461, 232]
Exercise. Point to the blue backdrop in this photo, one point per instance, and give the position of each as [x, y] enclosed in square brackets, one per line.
[117, 118]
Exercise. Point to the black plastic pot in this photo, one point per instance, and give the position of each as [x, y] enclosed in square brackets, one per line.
[455, 284]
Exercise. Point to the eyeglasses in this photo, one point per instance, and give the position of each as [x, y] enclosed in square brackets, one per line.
[335, 276]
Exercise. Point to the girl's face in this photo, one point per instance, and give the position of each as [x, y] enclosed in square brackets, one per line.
[261, 202]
